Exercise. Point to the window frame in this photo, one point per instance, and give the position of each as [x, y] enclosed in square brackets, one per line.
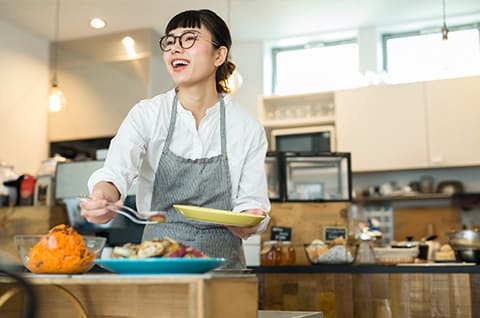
[396, 35]
[308, 45]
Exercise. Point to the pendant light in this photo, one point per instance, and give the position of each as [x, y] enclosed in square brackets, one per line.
[57, 98]
[235, 80]
[444, 28]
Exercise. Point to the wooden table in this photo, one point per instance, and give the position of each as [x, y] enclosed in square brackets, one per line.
[111, 295]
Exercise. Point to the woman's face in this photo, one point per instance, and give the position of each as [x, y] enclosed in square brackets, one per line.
[195, 65]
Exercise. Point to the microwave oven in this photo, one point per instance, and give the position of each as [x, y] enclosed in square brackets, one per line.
[304, 139]
[309, 176]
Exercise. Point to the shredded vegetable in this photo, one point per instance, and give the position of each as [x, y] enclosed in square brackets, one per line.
[62, 250]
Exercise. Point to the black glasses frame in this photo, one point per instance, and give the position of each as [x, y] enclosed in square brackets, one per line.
[167, 47]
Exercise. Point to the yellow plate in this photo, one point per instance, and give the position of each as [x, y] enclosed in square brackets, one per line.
[218, 216]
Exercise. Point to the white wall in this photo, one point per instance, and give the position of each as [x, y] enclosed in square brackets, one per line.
[23, 98]
[101, 84]
[248, 56]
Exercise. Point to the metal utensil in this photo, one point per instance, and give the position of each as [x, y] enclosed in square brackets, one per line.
[139, 217]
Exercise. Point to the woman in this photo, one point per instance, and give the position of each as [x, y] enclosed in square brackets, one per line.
[192, 145]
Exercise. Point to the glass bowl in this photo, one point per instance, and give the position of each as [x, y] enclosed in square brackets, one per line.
[54, 257]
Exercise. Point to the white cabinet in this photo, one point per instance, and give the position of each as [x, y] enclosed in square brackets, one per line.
[453, 110]
[410, 126]
[292, 111]
[382, 126]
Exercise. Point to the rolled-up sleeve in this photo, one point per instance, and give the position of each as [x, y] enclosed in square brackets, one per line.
[252, 190]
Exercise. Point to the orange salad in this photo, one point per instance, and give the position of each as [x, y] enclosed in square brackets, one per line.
[62, 250]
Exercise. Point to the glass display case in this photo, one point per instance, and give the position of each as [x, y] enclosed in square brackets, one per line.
[309, 176]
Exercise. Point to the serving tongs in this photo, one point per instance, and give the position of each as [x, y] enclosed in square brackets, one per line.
[139, 217]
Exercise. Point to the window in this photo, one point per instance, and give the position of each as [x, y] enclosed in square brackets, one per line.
[315, 67]
[417, 57]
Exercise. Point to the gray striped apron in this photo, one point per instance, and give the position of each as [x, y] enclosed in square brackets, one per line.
[203, 182]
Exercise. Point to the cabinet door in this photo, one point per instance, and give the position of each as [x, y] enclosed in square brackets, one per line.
[453, 108]
[382, 126]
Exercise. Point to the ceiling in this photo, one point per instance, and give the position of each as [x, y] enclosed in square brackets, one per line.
[249, 20]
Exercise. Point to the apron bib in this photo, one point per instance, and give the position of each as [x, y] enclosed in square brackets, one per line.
[203, 182]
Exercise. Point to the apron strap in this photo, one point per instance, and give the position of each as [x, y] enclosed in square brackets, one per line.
[171, 126]
[223, 131]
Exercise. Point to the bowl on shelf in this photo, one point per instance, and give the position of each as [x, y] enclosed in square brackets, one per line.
[45, 254]
[395, 255]
[466, 245]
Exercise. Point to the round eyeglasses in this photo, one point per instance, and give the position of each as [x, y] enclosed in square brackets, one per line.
[186, 40]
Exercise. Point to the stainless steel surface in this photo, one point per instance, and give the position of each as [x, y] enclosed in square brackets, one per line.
[466, 245]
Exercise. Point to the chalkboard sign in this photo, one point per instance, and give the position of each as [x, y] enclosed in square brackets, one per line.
[332, 233]
[281, 233]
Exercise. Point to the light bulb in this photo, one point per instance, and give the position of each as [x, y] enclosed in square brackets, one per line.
[234, 82]
[56, 99]
[444, 33]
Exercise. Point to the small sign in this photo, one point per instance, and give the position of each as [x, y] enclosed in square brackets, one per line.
[279, 233]
[332, 233]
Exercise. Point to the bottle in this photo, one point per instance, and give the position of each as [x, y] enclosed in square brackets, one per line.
[270, 254]
[288, 254]
[364, 253]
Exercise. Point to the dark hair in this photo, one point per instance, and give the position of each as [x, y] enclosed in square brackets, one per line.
[220, 35]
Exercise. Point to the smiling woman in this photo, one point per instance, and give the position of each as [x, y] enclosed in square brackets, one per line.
[193, 145]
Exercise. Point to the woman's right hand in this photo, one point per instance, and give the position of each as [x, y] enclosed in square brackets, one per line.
[94, 210]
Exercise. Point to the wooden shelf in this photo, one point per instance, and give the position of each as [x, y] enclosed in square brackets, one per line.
[413, 197]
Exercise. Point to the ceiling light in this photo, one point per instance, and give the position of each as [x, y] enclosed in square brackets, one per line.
[444, 28]
[235, 80]
[129, 44]
[56, 100]
[97, 23]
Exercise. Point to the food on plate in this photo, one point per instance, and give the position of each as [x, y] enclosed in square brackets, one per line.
[61, 250]
[160, 218]
[156, 248]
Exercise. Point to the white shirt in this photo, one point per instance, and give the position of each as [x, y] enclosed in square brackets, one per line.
[135, 151]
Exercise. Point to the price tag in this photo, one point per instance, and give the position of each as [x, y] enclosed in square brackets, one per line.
[332, 233]
[279, 233]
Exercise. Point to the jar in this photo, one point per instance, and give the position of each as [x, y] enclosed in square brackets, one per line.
[364, 253]
[288, 254]
[270, 253]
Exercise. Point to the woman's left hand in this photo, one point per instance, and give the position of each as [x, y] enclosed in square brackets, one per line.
[244, 232]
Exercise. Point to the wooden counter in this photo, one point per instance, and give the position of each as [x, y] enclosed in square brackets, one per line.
[363, 291]
[209, 295]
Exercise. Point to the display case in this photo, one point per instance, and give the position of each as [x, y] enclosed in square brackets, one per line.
[309, 176]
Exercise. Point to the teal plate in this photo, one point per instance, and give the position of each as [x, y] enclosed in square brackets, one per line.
[160, 265]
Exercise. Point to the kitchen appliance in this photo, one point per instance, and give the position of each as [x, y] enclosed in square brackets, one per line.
[43, 195]
[466, 245]
[7, 195]
[313, 138]
[308, 176]
[24, 188]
